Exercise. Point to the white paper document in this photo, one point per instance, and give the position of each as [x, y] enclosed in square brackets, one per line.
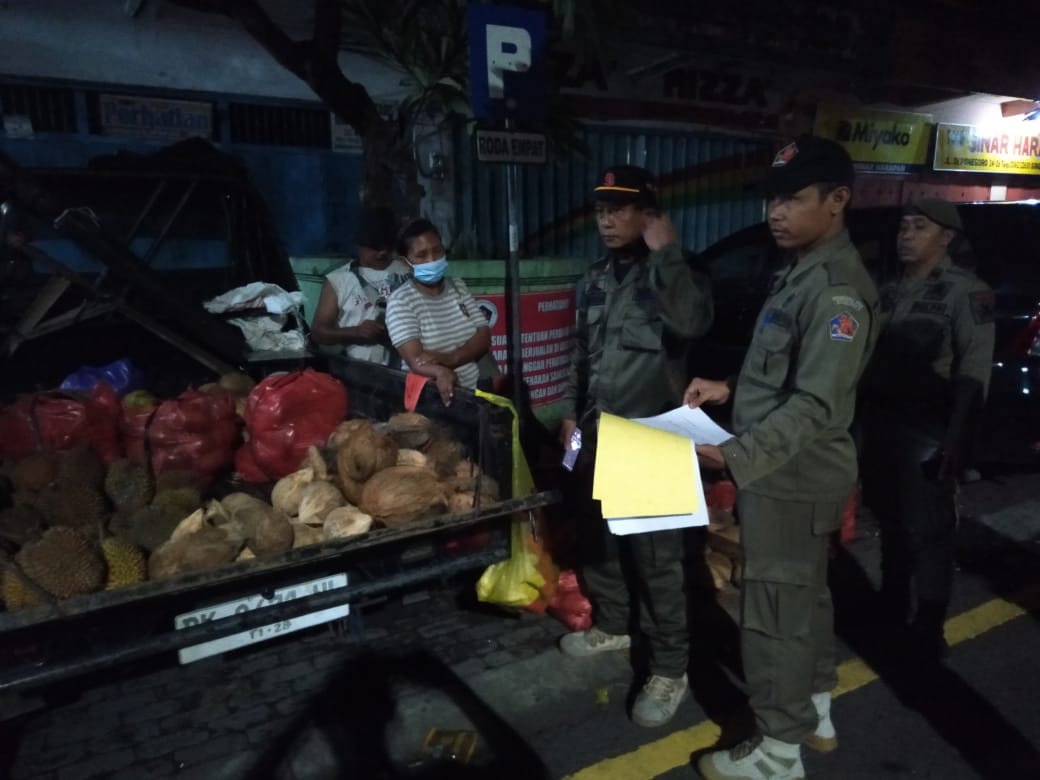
[692, 423]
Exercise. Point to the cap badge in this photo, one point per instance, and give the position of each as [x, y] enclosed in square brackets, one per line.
[785, 155]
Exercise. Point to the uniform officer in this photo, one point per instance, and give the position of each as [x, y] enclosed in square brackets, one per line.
[639, 307]
[925, 383]
[793, 459]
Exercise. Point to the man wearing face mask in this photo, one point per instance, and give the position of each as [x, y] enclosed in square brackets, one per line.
[639, 308]
[433, 320]
[352, 307]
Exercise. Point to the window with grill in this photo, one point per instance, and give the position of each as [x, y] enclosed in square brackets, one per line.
[279, 126]
[50, 109]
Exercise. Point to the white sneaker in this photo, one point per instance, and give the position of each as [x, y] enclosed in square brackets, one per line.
[825, 738]
[660, 698]
[760, 758]
[582, 644]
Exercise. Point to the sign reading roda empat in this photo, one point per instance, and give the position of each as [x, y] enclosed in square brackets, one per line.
[877, 141]
[169, 120]
[1013, 149]
[508, 147]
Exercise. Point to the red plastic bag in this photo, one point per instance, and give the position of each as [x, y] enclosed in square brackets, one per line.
[722, 495]
[195, 431]
[62, 421]
[286, 414]
[569, 605]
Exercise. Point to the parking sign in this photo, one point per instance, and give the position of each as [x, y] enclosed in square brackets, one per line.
[507, 53]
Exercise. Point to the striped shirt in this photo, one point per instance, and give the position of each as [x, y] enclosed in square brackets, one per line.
[440, 323]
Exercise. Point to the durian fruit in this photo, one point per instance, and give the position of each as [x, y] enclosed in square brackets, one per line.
[15, 592]
[365, 453]
[185, 499]
[346, 521]
[35, 472]
[172, 479]
[140, 399]
[317, 500]
[401, 495]
[288, 491]
[237, 383]
[125, 561]
[81, 466]
[64, 561]
[128, 485]
[72, 504]
[410, 430]
[21, 524]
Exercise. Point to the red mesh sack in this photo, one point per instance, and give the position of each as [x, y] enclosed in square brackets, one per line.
[569, 605]
[286, 414]
[62, 421]
[195, 432]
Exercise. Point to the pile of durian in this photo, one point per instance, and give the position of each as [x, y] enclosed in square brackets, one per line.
[77, 527]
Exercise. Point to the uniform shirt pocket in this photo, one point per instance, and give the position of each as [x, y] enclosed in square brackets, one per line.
[641, 331]
[771, 354]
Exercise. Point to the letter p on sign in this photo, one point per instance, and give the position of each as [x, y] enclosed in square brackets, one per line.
[503, 40]
[508, 48]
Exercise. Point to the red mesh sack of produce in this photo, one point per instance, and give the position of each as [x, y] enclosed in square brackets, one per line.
[569, 605]
[195, 432]
[286, 414]
[62, 421]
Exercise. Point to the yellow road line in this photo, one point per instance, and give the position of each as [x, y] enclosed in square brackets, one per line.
[673, 751]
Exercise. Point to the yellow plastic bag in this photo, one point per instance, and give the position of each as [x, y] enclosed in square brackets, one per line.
[527, 578]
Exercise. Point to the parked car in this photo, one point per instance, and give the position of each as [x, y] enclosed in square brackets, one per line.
[1001, 243]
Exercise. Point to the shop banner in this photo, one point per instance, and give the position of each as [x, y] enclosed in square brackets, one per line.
[169, 120]
[548, 322]
[877, 141]
[1014, 149]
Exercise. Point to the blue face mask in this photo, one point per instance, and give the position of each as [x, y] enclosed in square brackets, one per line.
[432, 272]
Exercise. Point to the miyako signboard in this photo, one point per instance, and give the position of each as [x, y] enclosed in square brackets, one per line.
[1014, 149]
[877, 141]
[169, 120]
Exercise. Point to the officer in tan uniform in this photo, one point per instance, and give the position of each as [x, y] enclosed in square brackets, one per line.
[639, 307]
[793, 459]
[926, 382]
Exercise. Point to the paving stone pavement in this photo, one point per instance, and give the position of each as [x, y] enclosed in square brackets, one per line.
[252, 712]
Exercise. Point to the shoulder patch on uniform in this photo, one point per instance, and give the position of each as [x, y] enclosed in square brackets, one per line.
[843, 327]
[847, 300]
[982, 306]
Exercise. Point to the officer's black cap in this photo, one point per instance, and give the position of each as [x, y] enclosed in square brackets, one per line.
[623, 184]
[377, 227]
[941, 212]
[809, 160]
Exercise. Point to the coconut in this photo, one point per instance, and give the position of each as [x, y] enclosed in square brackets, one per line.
[351, 489]
[288, 491]
[237, 384]
[364, 454]
[402, 494]
[191, 524]
[410, 430]
[443, 456]
[235, 501]
[246, 555]
[343, 431]
[411, 458]
[319, 498]
[315, 460]
[305, 535]
[346, 521]
[271, 533]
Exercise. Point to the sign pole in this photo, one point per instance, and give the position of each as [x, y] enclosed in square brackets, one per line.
[516, 350]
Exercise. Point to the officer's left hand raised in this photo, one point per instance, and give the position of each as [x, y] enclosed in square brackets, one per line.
[659, 232]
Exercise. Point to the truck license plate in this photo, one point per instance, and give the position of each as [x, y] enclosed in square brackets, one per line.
[262, 633]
